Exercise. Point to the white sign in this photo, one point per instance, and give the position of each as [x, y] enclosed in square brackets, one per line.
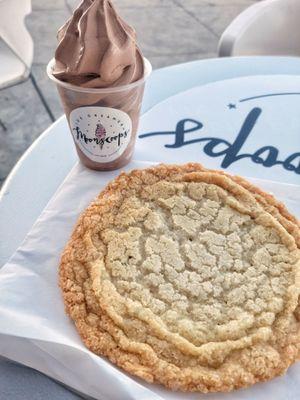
[248, 126]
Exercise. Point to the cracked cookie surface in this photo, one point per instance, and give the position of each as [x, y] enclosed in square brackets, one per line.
[186, 277]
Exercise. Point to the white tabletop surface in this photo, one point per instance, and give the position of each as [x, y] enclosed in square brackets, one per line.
[46, 163]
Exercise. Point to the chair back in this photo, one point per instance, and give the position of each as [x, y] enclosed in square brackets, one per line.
[269, 27]
[16, 49]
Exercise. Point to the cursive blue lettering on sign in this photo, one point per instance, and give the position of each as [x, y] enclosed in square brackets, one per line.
[267, 156]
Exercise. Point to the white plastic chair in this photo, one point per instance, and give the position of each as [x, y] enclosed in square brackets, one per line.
[16, 45]
[269, 27]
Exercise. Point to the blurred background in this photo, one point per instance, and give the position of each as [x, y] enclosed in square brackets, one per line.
[169, 32]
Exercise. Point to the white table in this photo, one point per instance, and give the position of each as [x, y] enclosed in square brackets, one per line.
[43, 167]
[46, 163]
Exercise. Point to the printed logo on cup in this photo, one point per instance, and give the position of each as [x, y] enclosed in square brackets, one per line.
[102, 133]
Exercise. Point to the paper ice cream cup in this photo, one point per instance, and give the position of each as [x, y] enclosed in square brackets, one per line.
[103, 122]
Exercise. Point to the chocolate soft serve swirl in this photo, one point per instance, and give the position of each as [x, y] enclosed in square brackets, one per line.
[100, 75]
[97, 49]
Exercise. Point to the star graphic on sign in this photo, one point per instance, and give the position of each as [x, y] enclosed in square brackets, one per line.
[231, 106]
